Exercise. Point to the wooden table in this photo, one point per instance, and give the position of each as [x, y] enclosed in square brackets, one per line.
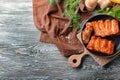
[23, 57]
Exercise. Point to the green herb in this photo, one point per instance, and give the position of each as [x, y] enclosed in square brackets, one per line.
[117, 12]
[70, 8]
[114, 12]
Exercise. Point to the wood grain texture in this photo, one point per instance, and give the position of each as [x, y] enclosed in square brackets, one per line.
[23, 57]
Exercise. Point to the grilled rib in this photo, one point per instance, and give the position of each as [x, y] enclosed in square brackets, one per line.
[106, 28]
[101, 45]
[87, 32]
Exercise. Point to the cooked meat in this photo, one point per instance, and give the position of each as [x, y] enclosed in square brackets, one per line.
[101, 45]
[96, 28]
[106, 28]
[97, 43]
[101, 28]
[110, 47]
[87, 32]
[115, 26]
[91, 43]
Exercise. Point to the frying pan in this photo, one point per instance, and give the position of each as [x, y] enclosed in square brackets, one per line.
[100, 58]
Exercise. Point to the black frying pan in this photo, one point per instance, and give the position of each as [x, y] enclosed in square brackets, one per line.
[75, 60]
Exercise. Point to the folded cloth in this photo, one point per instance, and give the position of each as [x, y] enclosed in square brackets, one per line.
[54, 27]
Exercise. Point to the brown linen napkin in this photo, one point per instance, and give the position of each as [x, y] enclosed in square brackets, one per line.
[54, 27]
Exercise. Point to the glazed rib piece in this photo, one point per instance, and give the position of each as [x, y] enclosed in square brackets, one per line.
[96, 27]
[101, 28]
[87, 32]
[106, 28]
[101, 45]
[115, 26]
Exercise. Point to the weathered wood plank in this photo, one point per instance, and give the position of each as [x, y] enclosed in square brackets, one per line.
[23, 57]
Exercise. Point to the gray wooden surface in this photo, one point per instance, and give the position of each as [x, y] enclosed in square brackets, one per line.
[23, 57]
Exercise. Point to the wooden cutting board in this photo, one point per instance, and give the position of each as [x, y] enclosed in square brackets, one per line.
[75, 60]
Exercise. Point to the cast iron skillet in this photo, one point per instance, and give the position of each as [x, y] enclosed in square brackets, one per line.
[75, 60]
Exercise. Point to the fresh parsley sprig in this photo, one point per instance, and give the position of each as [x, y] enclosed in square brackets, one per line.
[115, 12]
[70, 7]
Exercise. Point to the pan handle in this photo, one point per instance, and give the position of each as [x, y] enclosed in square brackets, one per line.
[75, 60]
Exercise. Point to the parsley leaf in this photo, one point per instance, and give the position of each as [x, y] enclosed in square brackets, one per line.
[115, 12]
[70, 8]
